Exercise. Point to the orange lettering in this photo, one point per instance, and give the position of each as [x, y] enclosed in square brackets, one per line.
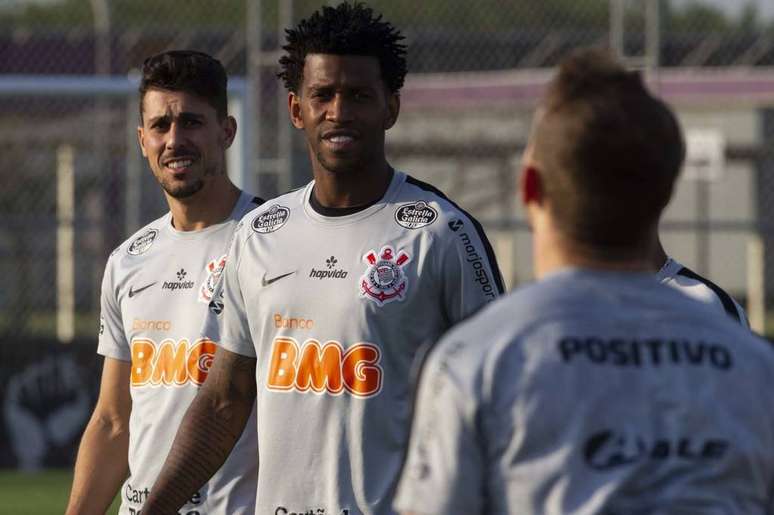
[320, 369]
[200, 360]
[171, 364]
[362, 375]
[142, 361]
[324, 369]
[282, 371]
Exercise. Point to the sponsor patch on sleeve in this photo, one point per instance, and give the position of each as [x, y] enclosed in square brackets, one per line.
[271, 220]
[415, 215]
[143, 242]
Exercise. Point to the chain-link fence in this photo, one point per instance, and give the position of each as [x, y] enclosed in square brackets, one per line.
[69, 114]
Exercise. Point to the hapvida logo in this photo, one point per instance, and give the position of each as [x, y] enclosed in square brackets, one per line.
[331, 273]
[180, 284]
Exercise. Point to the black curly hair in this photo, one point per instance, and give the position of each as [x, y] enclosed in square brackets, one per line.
[347, 29]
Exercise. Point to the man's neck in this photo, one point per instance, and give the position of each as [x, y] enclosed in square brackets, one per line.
[205, 208]
[556, 252]
[337, 190]
[659, 257]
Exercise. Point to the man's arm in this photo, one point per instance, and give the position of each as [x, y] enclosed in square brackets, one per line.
[210, 429]
[102, 462]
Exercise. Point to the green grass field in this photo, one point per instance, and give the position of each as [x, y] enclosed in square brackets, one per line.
[38, 493]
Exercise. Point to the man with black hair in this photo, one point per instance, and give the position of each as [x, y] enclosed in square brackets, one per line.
[331, 290]
[157, 286]
[596, 389]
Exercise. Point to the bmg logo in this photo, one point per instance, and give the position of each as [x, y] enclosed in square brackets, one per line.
[325, 368]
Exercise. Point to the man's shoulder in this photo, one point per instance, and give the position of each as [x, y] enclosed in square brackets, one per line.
[270, 215]
[420, 191]
[421, 205]
[143, 239]
[700, 288]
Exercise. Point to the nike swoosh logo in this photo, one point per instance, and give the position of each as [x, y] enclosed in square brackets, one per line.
[132, 292]
[266, 282]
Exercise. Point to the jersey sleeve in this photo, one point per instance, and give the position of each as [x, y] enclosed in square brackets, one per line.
[444, 469]
[232, 326]
[742, 315]
[112, 337]
[470, 274]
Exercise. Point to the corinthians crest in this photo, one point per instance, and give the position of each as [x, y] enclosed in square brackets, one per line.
[214, 270]
[384, 280]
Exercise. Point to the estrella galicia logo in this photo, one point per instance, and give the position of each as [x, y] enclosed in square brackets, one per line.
[606, 449]
[455, 225]
[415, 215]
[271, 220]
[143, 242]
[331, 273]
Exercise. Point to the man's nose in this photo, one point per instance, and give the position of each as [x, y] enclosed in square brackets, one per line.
[175, 136]
[340, 109]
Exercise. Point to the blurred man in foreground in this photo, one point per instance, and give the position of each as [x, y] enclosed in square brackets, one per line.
[157, 288]
[331, 289]
[596, 389]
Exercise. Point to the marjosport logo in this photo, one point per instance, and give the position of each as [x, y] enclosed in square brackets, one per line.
[476, 262]
[331, 272]
[415, 215]
[180, 284]
[171, 363]
[143, 242]
[608, 449]
[214, 270]
[271, 220]
[325, 368]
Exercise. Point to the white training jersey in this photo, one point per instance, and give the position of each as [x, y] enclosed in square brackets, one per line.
[594, 392]
[155, 294]
[334, 309]
[692, 284]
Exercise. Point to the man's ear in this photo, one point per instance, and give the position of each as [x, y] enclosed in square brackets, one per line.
[530, 185]
[229, 126]
[393, 109]
[141, 140]
[294, 110]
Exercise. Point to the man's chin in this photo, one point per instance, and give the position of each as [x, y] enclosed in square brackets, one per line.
[341, 165]
[184, 191]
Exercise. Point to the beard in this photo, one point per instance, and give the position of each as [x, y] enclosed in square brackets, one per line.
[183, 191]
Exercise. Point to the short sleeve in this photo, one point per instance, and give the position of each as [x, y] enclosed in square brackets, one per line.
[229, 317]
[470, 274]
[112, 337]
[444, 468]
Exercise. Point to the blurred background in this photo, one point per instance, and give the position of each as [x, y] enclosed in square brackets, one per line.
[73, 184]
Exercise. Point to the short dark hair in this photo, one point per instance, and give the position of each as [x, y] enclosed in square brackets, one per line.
[347, 29]
[610, 150]
[189, 71]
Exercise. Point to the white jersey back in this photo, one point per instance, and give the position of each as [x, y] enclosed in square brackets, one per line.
[700, 288]
[335, 308]
[155, 294]
[594, 393]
